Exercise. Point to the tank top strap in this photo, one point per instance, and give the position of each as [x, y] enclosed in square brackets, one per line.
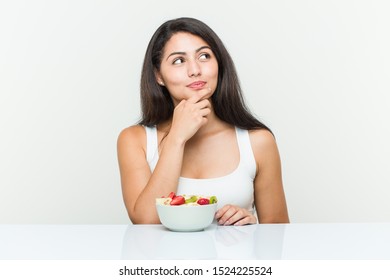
[151, 146]
[247, 158]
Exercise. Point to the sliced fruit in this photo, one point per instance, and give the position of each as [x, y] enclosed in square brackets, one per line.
[193, 198]
[203, 201]
[178, 200]
[172, 195]
[213, 199]
[163, 201]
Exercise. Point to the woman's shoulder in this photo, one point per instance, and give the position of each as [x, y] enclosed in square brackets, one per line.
[261, 137]
[263, 143]
[133, 135]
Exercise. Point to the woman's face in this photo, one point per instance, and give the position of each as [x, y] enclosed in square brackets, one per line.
[188, 65]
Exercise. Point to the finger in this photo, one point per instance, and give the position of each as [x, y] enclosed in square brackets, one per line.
[202, 104]
[243, 221]
[204, 112]
[225, 218]
[180, 103]
[237, 215]
[199, 95]
[222, 211]
[204, 121]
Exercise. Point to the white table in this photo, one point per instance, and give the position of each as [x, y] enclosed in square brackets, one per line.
[354, 241]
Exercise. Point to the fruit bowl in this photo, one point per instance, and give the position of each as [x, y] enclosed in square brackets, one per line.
[186, 218]
[186, 213]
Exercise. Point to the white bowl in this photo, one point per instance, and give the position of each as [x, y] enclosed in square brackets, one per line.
[186, 218]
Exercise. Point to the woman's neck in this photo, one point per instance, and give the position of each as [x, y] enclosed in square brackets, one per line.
[213, 124]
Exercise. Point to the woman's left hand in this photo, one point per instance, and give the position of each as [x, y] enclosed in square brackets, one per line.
[234, 215]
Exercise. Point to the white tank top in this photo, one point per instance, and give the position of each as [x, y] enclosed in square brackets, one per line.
[235, 188]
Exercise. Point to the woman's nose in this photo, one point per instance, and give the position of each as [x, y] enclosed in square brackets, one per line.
[193, 69]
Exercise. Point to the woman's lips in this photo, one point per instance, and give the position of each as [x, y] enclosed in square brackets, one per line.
[197, 85]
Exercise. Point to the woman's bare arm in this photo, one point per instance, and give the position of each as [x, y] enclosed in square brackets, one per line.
[270, 199]
[140, 187]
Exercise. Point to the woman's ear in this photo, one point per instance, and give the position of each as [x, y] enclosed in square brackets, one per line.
[159, 79]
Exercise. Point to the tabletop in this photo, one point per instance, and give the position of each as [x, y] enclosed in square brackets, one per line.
[295, 241]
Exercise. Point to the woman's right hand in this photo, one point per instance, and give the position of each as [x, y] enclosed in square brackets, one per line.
[190, 115]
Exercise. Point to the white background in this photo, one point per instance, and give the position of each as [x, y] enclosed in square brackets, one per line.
[316, 72]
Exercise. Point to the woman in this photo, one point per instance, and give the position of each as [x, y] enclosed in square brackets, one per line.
[196, 135]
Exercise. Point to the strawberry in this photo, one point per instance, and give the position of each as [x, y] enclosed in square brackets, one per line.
[171, 195]
[203, 201]
[178, 200]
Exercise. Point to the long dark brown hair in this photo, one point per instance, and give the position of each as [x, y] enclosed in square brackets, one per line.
[228, 102]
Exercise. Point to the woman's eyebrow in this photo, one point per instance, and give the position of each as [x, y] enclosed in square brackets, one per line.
[175, 53]
[184, 53]
[201, 48]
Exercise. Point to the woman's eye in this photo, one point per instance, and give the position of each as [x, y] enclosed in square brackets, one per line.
[204, 56]
[178, 61]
